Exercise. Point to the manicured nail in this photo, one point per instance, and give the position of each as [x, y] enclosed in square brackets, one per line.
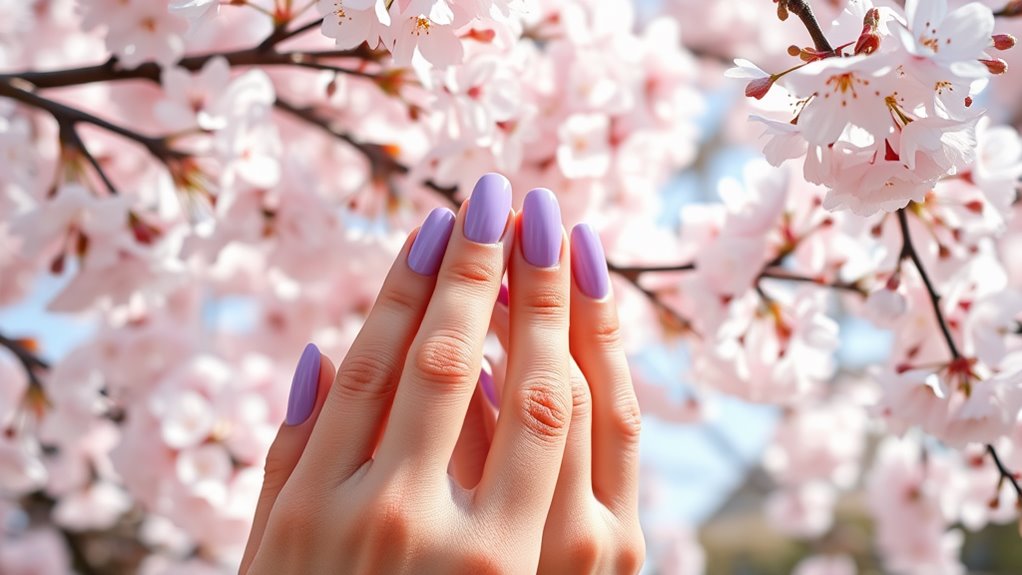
[503, 296]
[488, 208]
[541, 228]
[588, 264]
[430, 244]
[304, 386]
[489, 389]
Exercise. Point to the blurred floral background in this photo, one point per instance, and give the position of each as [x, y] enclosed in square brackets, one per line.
[809, 210]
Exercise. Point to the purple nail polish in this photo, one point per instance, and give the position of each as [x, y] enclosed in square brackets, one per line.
[503, 296]
[304, 386]
[489, 389]
[488, 207]
[430, 244]
[588, 264]
[541, 228]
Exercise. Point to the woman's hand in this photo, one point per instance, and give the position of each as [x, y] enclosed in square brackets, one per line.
[370, 491]
[593, 524]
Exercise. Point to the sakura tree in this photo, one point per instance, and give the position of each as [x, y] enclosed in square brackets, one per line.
[211, 184]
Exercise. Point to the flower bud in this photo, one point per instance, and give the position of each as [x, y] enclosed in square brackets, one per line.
[1003, 41]
[759, 87]
[995, 65]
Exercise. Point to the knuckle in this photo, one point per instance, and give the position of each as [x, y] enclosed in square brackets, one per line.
[401, 300]
[550, 302]
[292, 519]
[365, 376]
[471, 272]
[445, 358]
[582, 553]
[390, 520]
[606, 332]
[631, 556]
[545, 409]
[581, 399]
[482, 562]
[627, 419]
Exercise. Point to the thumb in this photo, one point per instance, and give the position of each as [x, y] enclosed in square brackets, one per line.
[312, 380]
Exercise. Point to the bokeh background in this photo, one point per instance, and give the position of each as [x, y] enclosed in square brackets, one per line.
[242, 302]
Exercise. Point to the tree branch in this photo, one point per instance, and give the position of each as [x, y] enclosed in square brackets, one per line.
[1011, 9]
[1006, 473]
[109, 71]
[67, 115]
[804, 12]
[381, 164]
[28, 359]
[908, 251]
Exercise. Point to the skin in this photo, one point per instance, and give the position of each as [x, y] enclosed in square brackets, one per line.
[405, 467]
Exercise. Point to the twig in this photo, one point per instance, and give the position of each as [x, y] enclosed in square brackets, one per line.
[1005, 473]
[804, 12]
[280, 33]
[908, 251]
[157, 146]
[778, 273]
[29, 360]
[1011, 9]
[381, 164]
[109, 71]
[69, 135]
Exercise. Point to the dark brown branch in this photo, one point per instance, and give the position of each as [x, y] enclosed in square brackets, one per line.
[1006, 473]
[779, 273]
[109, 71]
[804, 12]
[1011, 9]
[908, 251]
[772, 270]
[381, 164]
[69, 137]
[642, 269]
[28, 359]
[280, 33]
[64, 114]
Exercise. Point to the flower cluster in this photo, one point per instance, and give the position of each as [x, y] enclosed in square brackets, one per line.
[883, 116]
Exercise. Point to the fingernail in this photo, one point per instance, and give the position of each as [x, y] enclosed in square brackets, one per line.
[489, 389]
[588, 263]
[430, 244]
[304, 386]
[488, 208]
[503, 296]
[541, 228]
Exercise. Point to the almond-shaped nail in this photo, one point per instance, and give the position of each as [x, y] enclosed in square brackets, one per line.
[588, 262]
[541, 228]
[431, 242]
[488, 208]
[304, 386]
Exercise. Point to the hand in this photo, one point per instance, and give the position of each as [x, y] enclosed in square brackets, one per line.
[593, 524]
[370, 491]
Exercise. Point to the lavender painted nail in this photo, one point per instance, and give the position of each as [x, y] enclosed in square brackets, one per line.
[588, 264]
[430, 244]
[304, 386]
[489, 389]
[488, 207]
[541, 228]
